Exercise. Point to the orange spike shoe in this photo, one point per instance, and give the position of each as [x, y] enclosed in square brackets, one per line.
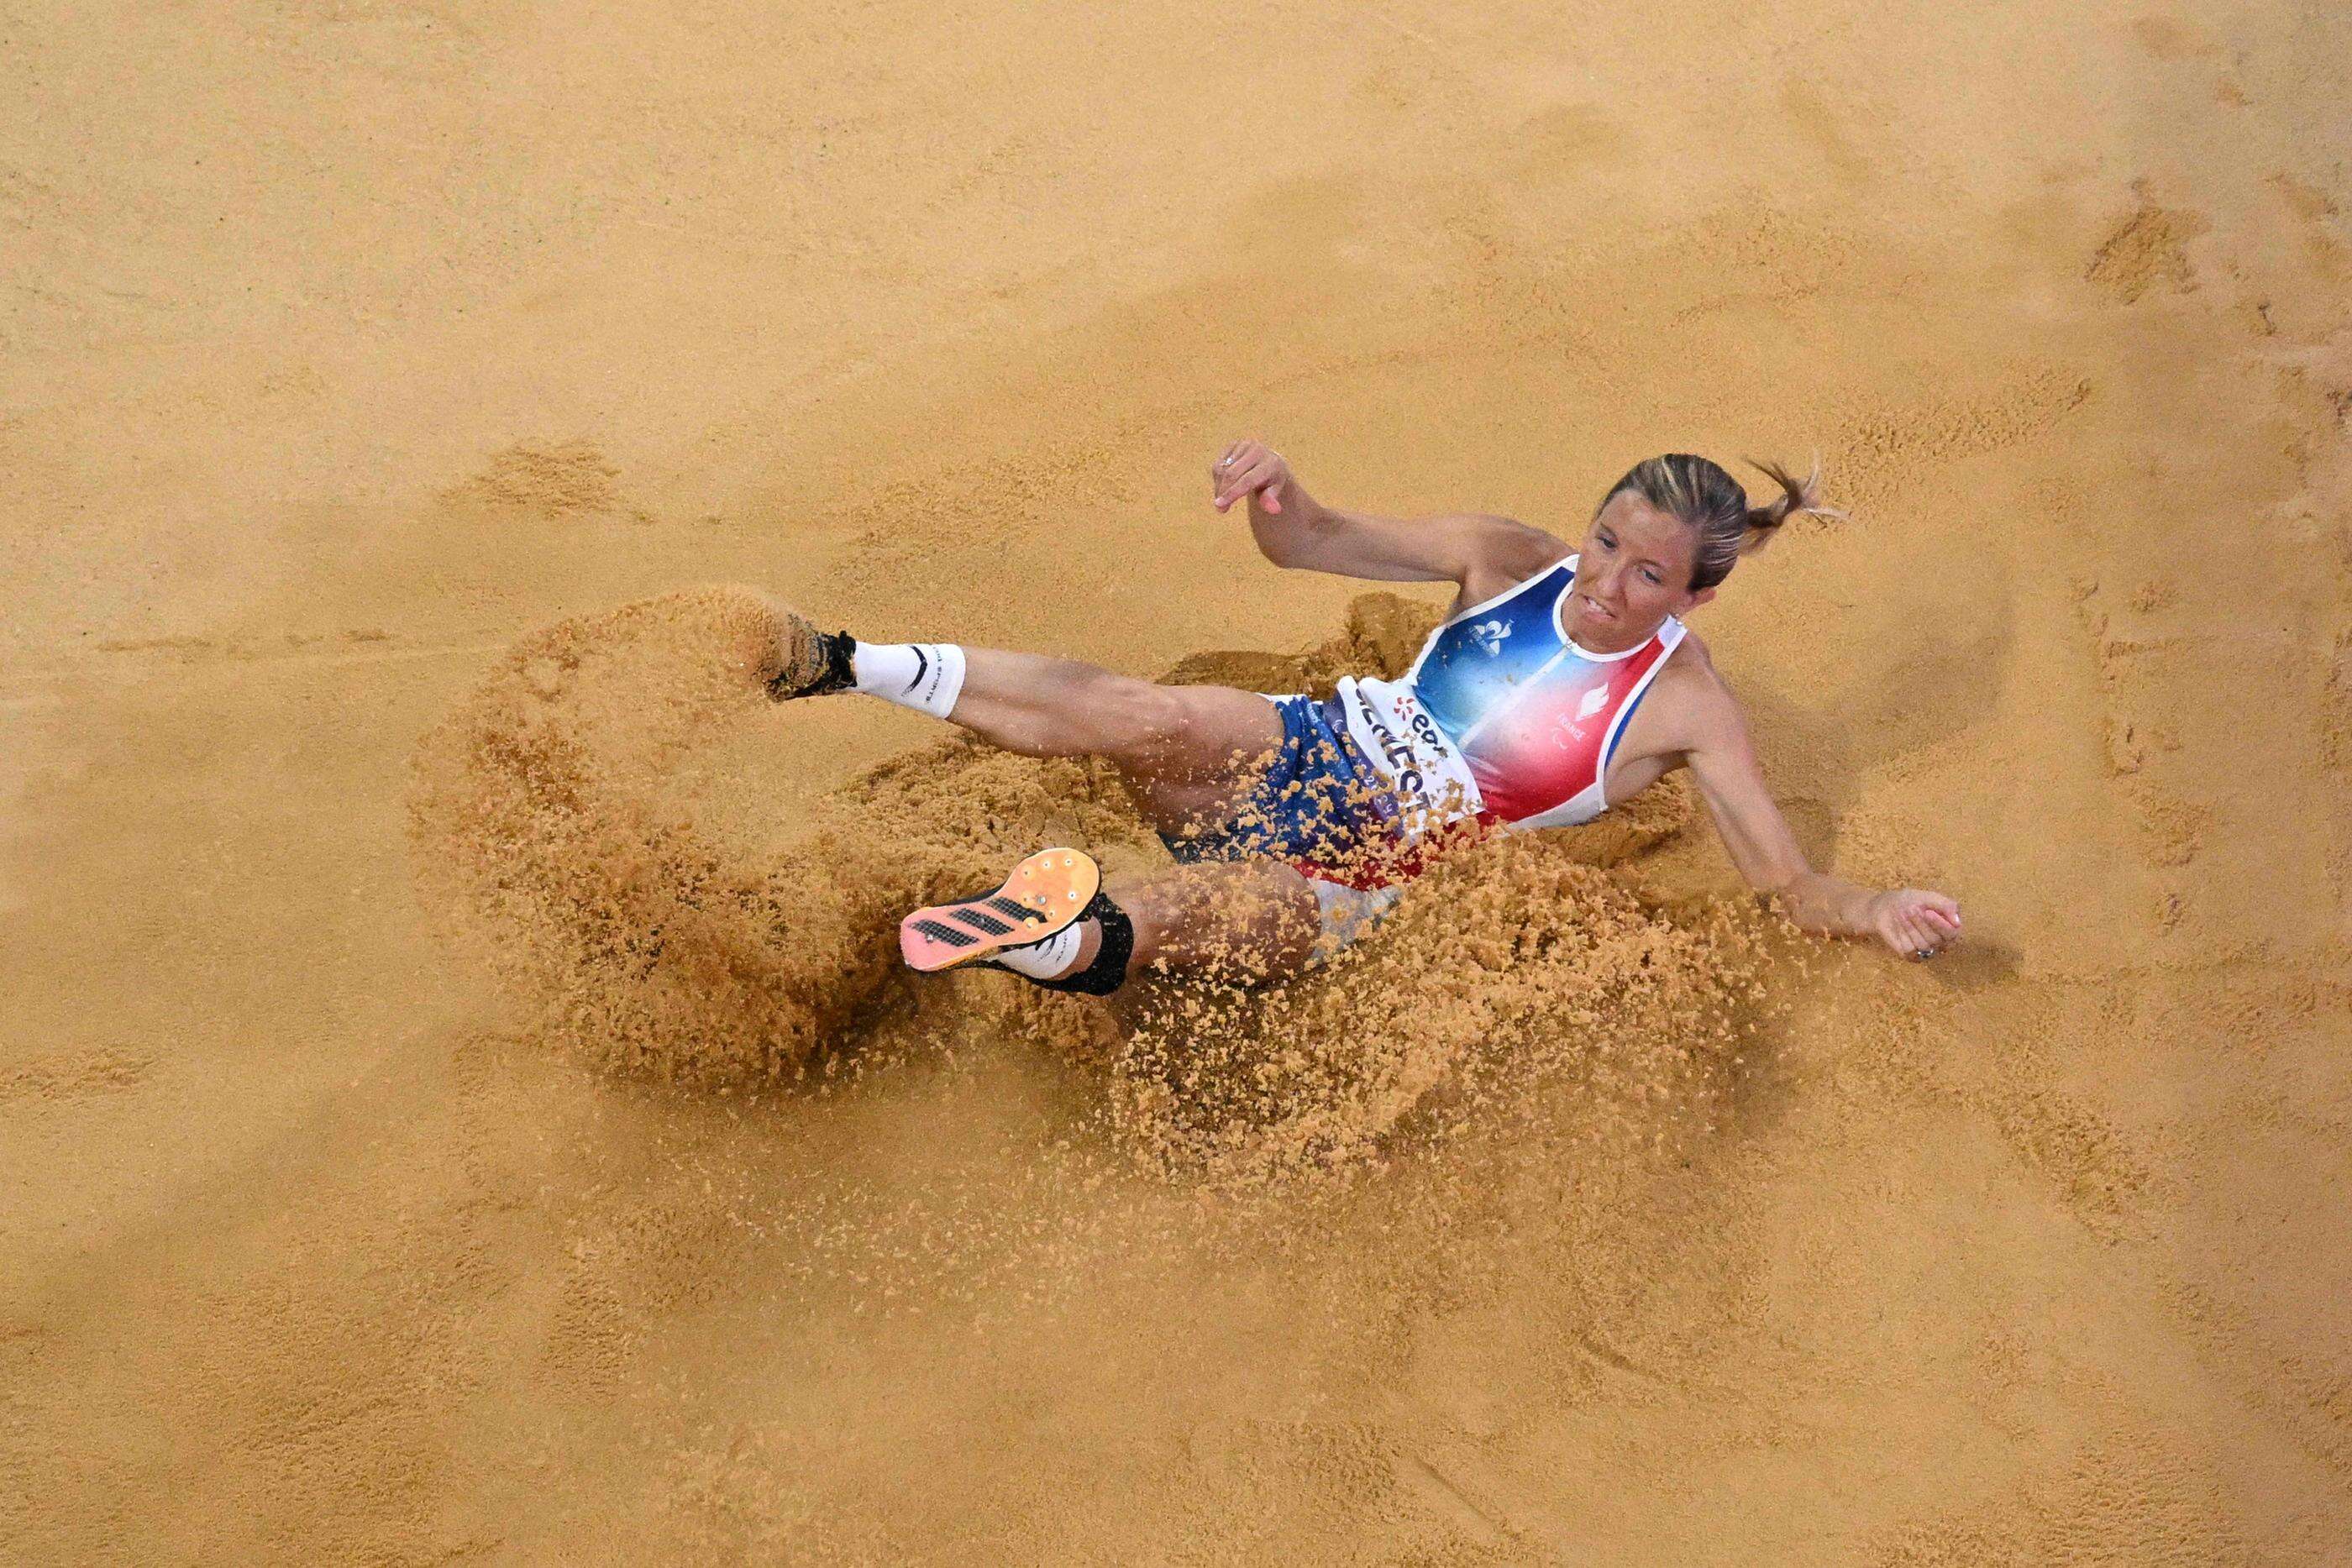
[1043, 893]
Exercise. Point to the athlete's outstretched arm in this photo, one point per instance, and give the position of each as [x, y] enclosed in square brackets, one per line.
[1294, 529]
[1912, 921]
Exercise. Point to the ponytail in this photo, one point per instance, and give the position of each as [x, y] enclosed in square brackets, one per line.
[1759, 524]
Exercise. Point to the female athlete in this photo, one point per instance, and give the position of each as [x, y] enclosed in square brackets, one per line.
[1561, 681]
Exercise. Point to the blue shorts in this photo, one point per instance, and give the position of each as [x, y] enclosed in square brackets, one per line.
[1321, 806]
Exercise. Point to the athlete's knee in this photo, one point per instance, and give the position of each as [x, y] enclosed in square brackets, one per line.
[1238, 923]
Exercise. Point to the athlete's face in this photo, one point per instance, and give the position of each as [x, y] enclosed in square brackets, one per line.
[1634, 572]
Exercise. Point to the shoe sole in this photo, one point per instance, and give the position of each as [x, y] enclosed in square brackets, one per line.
[1041, 896]
[798, 659]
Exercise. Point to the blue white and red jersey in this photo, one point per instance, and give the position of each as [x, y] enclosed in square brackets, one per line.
[1502, 715]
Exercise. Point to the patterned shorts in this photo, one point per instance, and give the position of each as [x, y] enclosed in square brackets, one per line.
[1323, 809]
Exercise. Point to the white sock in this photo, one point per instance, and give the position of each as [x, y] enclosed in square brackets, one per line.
[925, 676]
[1049, 960]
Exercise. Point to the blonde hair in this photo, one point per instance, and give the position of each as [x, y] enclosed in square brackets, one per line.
[1701, 494]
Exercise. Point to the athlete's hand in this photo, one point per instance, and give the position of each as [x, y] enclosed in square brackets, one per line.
[1915, 924]
[1250, 468]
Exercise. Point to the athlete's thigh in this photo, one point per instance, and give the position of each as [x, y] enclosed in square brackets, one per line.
[1207, 759]
[1256, 918]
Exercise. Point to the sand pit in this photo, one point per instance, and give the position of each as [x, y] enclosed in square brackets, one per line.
[453, 1105]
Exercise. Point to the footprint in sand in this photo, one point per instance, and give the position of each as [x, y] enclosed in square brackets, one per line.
[50, 1080]
[2146, 251]
[2319, 215]
[547, 480]
[2173, 830]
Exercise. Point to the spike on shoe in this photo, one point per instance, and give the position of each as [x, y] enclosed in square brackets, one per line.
[1041, 896]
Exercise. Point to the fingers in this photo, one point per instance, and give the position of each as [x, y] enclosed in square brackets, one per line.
[1262, 474]
[1245, 468]
[1914, 931]
[1937, 921]
[1902, 935]
[1229, 467]
[1918, 924]
[1923, 939]
[1239, 460]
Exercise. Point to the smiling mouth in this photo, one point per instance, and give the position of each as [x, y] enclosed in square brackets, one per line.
[1594, 606]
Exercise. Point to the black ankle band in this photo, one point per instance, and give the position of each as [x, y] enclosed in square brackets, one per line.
[1108, 971]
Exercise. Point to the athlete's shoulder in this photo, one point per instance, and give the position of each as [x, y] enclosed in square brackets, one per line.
[1697, 696]
[1690, 656]
[1509, 553]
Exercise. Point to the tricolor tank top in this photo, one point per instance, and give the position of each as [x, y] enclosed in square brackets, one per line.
[1502, 715]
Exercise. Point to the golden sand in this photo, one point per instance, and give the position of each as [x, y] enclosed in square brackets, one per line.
[456, 1100]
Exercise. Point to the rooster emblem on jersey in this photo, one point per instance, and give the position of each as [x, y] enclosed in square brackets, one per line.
[1489, 635]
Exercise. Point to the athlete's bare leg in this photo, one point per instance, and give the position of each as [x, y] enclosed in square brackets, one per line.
[1182, 751]
[1250, 922]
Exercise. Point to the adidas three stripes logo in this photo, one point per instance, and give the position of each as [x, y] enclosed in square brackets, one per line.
[973, 916]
